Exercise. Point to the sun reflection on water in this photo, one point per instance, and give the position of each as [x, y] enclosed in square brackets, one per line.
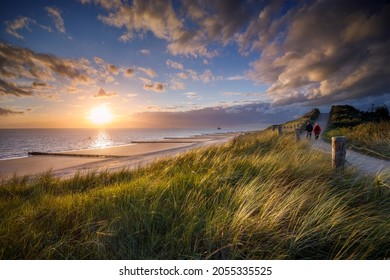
[102, 140]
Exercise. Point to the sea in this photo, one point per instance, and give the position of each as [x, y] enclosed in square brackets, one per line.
[16, 143]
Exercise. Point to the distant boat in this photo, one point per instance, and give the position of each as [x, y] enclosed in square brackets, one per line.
[219, 128]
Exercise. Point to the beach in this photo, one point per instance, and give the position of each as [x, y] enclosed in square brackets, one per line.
[67, 164]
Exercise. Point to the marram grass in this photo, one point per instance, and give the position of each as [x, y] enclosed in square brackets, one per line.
[256, 197]
[372, 138]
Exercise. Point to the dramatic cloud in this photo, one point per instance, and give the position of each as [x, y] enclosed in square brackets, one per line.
[55, 14]
[18, 65]
[220, 20]
[312, 52]
[103, 94]
[24, 63]
[214, 21]
[324, 52]
[303, 53]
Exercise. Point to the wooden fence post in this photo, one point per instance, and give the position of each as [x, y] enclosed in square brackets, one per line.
[297, 134]
[279, 130]
[338, 153]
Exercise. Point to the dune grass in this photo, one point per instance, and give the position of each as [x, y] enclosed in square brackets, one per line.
[372, 138]
[366, 132]
[256, 197]
[302, 121]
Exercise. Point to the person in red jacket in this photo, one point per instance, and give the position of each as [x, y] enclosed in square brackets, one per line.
[317, 131]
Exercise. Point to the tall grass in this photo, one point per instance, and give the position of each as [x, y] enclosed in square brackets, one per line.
[257, 197]
[302, 121]
[368, 136]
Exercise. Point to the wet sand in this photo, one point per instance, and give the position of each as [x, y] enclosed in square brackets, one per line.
[39, 164]
[124, 157]
[130, 150]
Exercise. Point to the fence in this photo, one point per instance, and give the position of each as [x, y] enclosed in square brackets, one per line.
[338, 145]
[289, 128]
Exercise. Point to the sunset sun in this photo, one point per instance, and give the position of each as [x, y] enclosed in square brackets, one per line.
[100, 115]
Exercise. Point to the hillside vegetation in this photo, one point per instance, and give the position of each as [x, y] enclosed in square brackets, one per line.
[366, 132]
[302, 121]
[256, 197]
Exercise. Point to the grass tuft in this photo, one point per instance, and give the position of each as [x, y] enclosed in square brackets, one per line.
[256, 197]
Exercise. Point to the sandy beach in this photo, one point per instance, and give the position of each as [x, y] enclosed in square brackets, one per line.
[123, 157]
[131, 150]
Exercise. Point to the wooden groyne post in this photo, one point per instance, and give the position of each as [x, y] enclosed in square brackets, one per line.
[338, 153]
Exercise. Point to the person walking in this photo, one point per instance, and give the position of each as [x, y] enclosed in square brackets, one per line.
[317, 131]
[309, 129]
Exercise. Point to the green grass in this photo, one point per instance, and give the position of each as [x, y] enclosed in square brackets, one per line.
[365, 132]
[302, 121]
[368, 138]
[256, 197]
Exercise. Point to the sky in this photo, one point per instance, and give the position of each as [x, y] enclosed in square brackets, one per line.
[189, 63]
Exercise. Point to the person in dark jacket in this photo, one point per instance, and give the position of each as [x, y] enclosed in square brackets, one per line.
[317, 131]
[309, 129]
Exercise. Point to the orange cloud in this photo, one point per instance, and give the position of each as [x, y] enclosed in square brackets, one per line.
[103, 94]
[157, 87]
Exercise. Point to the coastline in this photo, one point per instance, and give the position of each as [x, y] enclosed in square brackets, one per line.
[19, 143]
[129, 156]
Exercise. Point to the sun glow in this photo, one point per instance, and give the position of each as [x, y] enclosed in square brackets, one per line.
[100, 115]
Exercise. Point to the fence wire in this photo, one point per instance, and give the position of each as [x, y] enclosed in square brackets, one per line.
[351, 146]
[370, 151]
[329, 139]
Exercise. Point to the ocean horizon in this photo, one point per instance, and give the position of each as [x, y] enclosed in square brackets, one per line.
[16, 143]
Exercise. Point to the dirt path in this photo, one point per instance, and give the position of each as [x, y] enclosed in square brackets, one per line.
[362, 162]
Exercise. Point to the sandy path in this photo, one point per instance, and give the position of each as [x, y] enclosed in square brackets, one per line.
[363, 162]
